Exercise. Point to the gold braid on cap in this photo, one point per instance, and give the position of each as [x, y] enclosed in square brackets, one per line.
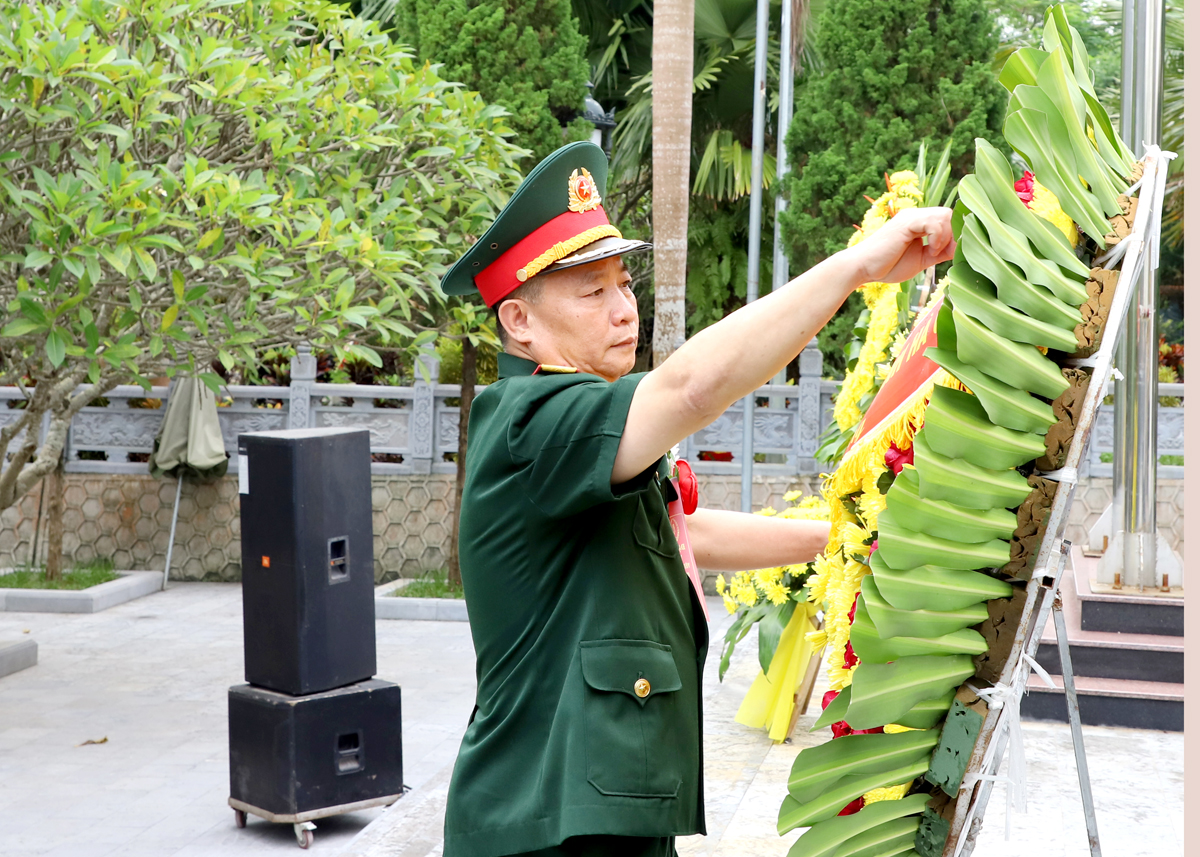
[563, 249]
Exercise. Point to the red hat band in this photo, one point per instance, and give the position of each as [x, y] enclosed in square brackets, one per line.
[556, 239]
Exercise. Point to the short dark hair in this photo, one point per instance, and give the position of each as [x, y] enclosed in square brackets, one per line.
[530, 290]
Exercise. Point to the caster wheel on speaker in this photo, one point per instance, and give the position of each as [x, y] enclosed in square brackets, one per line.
[304, 833]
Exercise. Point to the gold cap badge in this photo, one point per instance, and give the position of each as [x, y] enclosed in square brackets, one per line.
[582, 192]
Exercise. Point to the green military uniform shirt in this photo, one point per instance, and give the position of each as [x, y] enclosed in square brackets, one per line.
[589, 640]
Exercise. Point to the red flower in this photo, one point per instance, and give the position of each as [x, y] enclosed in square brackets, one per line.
[874, 547]
[853, 609]
[1024, 188]
[851, 659]
[853, 807]
[830, 696]
[689, 490]
[895, 458]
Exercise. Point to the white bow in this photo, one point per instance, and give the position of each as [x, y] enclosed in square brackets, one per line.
[1008, 699]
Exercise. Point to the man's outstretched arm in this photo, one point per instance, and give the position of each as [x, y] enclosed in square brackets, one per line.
[736, 541]
[738, 354]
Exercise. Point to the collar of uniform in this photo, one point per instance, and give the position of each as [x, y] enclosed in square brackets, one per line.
[509, 365]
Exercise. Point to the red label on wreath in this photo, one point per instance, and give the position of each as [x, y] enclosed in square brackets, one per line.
[909, 374]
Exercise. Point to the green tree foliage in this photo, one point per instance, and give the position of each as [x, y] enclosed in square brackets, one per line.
[184, 181]
[527, 55]
[895, 73]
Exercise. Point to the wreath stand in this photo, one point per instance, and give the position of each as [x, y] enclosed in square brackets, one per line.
[1002, 725]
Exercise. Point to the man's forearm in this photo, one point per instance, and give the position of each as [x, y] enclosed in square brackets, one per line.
[735, 541]
[728, 360]
[738, 354]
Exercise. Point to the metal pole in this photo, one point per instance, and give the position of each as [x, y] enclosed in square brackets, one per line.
[1127, 372]
[779, 265]
[779, 270]
[171, 538]
[1135, 524]
[1085, 783]
[753, 252]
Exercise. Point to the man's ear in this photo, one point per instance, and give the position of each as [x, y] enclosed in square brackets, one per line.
[514, 315]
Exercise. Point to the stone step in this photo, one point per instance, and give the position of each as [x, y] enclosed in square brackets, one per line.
[1109, 702]
[17, 655]
[1108, 654]
[1150, 612]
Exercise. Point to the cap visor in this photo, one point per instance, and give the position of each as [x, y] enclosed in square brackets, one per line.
[601, 249]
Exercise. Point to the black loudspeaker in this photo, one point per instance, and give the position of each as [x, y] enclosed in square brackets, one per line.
[308, 575]
[289, 755]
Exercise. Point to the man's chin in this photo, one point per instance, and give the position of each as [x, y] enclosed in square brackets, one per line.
[619, 365]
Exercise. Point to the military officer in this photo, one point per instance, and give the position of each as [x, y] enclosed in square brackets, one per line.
[589, 638]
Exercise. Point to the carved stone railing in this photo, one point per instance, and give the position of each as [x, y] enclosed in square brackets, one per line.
[1170, 436]
[414, 429]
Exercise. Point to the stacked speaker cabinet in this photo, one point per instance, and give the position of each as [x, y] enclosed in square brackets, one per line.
[312, 734]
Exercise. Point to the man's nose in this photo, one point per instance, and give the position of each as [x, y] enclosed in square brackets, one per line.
[625, 309]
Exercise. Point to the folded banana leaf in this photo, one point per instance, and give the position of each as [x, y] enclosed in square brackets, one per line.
[928, 712]
[1005, 405]
[824, 838]
[957, 426]
[1012, 246]
[1028, 132]
[975, 296]
[993, 171]
[1057, 81]
[1015, 363]
[883, 693]
[1011, 285]
[890, 839]
[928, 587]
[832, 800]
[817, 768]
[870, 648]
[964, 484]
[890, 622]
[942, 519]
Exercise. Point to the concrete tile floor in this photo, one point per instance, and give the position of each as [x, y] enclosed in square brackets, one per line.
[151, 676]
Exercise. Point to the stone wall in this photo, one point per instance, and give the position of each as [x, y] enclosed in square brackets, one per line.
[127, 518]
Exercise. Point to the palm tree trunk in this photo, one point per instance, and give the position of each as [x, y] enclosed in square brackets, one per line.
[671, 53]
[466, 396]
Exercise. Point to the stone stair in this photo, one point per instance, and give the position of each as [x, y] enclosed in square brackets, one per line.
[1127, 655]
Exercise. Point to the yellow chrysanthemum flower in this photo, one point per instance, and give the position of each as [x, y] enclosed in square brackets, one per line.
[888, 793]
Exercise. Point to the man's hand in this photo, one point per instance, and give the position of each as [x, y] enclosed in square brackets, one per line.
[898, 252]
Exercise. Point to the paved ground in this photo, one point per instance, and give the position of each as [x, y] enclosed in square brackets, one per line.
[151, 677]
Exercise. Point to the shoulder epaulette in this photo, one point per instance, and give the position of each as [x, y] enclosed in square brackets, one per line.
[550, 369]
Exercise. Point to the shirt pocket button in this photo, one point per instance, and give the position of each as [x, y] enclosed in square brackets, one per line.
[642, 688]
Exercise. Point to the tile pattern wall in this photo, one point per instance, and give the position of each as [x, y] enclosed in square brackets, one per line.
[128, 518]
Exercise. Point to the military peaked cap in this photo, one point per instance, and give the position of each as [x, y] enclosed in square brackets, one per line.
[554, 220]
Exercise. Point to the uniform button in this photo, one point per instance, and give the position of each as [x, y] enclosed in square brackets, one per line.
[642, 688]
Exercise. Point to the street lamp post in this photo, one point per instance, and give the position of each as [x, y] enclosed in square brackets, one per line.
[603, 121]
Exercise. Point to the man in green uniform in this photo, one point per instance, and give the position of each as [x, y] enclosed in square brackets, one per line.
[589, 638]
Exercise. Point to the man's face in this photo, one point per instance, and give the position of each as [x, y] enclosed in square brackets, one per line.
[586, 317]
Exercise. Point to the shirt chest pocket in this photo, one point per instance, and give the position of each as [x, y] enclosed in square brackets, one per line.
[652, 526]
[636, 745]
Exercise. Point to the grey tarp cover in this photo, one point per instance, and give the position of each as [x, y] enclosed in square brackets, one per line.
[189, 440]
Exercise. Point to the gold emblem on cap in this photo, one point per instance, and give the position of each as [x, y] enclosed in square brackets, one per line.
[582, 193]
